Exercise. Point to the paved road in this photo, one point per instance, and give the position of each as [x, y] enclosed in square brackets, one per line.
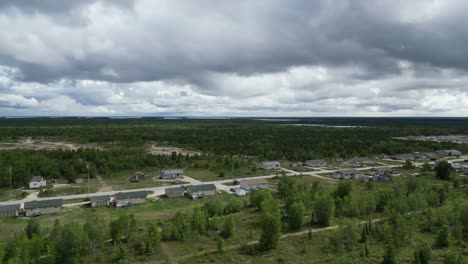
[161, 189]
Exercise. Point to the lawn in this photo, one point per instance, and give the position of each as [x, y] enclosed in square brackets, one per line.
[207, 175]
[120, 180]
[6, 194]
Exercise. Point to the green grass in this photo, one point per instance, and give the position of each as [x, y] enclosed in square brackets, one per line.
[119, 181]
[7, 194]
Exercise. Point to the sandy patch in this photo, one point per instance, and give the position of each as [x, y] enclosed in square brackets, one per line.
[39, 144]
[168, 150]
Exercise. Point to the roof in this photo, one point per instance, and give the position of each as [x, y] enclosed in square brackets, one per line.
[99, 198]
[202, 187]
[255, 181]
[270, 163]
[175, 190]
[315, 161]
[138, 173]
[9, 207]
[129, 195]
[359, 159]
[172, 171]
[37, 179]
[43, 203]
[347, 171]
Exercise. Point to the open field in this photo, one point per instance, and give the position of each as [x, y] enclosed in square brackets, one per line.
[43, 144]
[168, 150]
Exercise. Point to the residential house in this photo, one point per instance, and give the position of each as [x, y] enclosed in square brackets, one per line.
[41, 207]
[201, 190]
[315, 163]
[384, 171]
[9, 210]
[101, 200]
[457, 167]
[295, 164]
[380, 178]
[383, 156]
[171, 174]
[403, 157]
[123, 199]
[37, 182]
[270, 165]
[137, 177]
[362, 178]
[174, 192]
[359, 161]
[345, 174]
[253, 184]
[449, 153]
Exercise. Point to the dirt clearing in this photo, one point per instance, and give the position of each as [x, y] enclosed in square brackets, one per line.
[42, 144]
[167, 150]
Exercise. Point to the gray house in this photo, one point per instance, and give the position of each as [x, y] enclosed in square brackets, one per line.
[202, 190]
[174, 192]
[254, 184]
[101, 200]
[270, 165]
[171, 174]
[345, 174]
[384, 171]
[360, 161]
[315, 163]
[9, 210]
[137, 177]
[41, 207]
[123, 199]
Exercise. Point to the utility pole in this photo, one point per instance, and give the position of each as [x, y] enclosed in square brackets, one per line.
[10, 182]
[87, 169]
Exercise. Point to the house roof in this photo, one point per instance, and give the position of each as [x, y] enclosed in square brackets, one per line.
[172, 171]
[43, 203]
[175, 190]
[129, 195]
[254, 181]
[316, 161]
[270, 163]
[138, 173]
[37, 179]
[9, 207]
[359, 159]
[99, 198]
[202, 187]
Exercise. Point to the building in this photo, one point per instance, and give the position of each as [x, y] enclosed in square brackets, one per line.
[315, 163]
[449, 153]
[41, 207]
[384, 171]
[295, 164]
[404, 157]
[270, 165]
[37, 182]
[137, 177]
[383, 156]
[239, 191]
[79, 180]
[171, 174]
[345, 174]
[123, 199]
[360, 161]
[380, 178]
[253, 184]
[101, 200]
[9, 210]
[457, 167]
[202, 190]
[174, 192]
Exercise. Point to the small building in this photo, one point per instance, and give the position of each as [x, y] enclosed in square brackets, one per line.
[270, 165]
[171, 174]
[380, 178]
[362, 178]
[137, 177]
[295, 164]
[345, 174]
[403, 157]
[315, 163]
[9, 210]
[239, 191]
[457, 167]
[37, 182]
[101, 200]
[123, 199]
[359, 161]
[383, 156]
[450, 153]
[79, 180]
[174, 192]
[253, 184]
[201, 190]
[384, 171]
[41, 207]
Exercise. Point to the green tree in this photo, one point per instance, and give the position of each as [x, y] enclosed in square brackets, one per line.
[443, 170]
[229, 227]
[408, 165]
[453, 258]
[286, 186]
[324, 209]
[423, 254]
[296, 215]
[389, 257]
[32, 228]
[443, 237]
[344, 188]
[154, 235]
[270, 225]
[220, 245]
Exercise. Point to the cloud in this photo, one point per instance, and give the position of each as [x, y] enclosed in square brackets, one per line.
[263, 57]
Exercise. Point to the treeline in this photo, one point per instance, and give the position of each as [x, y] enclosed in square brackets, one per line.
[72, 164]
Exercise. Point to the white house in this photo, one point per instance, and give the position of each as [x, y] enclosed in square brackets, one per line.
[37, 182]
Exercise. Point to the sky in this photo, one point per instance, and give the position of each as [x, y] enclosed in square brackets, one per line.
[233, 58]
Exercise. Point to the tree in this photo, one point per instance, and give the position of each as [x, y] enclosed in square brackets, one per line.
[256, 198]
[286, 186]
[296, 215]
[344, 188]
[426, 167]
[408, 165]
[389, 257]
[270, 225]
[229, 227]
[453, 258]
[214, 208]
[423, 254]
[443, 170]
[123, 228]
[220, 245]
[324, 209]
[443, 237]
[154, 235]
[32, 228]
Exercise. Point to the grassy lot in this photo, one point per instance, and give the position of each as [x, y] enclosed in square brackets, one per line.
[7, 194]
[119, 180]
[207, 175]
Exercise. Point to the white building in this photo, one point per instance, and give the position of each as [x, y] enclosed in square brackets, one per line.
[37, 182]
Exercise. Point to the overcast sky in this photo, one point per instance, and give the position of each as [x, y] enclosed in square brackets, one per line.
[234, 58]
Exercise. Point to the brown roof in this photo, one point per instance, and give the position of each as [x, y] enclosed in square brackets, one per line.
[255, 181]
